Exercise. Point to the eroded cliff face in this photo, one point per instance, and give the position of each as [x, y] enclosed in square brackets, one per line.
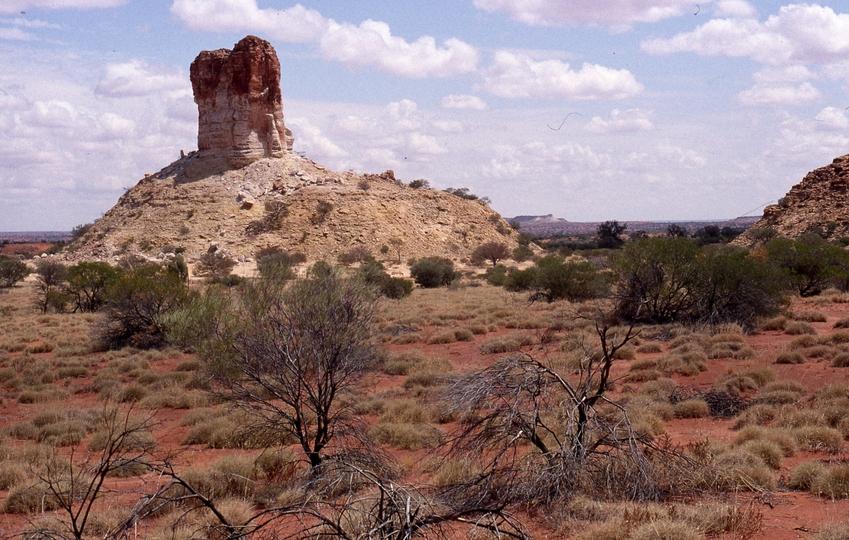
[240, 107]
[819, 203]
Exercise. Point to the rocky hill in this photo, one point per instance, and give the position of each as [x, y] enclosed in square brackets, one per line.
[817, 204]
[244, 189]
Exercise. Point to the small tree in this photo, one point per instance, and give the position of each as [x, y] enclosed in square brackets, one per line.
[137, 307]
[397, 244]
[520, 401]
[12, 271]
[50, 281]
[77, 482]
[809, 264]
[288, 356]
[87, 283]
[673, 230]
[492, 252]
[610, 234]
[214, 264]
[654, 278]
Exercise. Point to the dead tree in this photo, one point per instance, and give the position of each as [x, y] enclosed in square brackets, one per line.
[579, 437]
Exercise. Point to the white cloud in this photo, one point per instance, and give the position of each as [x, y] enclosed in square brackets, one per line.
[311, 140]
[779, 95]
[789, 74]
[628, 121]
[294, 25]
[16, 34]
[137, 78]
[372, 44]
[734, 8]
[448, 126]
[369, 44]
[424, 144]
[614, 12]
[29, 23]
[462, 101]
[831, 119]
[16, 6]
[513, 75]
[798, 33]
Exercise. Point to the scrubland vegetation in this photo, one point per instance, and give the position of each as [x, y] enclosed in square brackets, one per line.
[623, 393]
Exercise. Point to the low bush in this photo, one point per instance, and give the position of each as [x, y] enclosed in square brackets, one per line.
[803, 476]
[797, 328]
[833, 482]
[502, 344]
[407, 436]
[431, 272]
[790, 357]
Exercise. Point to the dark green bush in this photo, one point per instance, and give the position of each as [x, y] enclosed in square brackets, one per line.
[433, 272]
[390, 287]
[87, 283]
[809, 264]
[12, 271]
[137, 304]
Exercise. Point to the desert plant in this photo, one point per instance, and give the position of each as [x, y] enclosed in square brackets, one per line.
[491, 251]
[515, 400]
[87, 283]
[50, 279]
[137, 304]
[305, 345]
[214, 264]
[431, 272]
[12, 271]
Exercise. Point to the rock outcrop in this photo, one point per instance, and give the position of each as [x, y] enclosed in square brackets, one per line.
[819, 203]
[240, 108]
[292, 203]
[267, 196]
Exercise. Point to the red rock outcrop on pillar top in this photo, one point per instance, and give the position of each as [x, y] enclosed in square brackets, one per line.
[240, 108]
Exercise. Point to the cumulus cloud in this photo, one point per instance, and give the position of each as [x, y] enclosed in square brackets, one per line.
[831, 119]
[515, 75]
[311, 140]
[371, 44]
[295, 25]
[461, 101]
[137, 78]
[16, 34]
[799, 33]
[16, 6]
[628, 121]
[613, 12]
[779, 95]
[734, 8]
[424, 144]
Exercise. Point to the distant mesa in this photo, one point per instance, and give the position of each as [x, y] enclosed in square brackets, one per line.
[240, 107]
[819, 203]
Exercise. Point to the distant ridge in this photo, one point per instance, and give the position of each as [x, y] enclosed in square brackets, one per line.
[51, 237]
[548, 225]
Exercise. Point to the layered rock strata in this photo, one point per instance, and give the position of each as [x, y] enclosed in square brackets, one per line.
[240, 107]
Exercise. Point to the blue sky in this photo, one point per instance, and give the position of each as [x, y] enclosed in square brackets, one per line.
[586, 109]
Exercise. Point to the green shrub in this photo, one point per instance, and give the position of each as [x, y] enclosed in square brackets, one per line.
[431, 272]
[137, 305]
[803, 476]
[833, 482]
[12, 271]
